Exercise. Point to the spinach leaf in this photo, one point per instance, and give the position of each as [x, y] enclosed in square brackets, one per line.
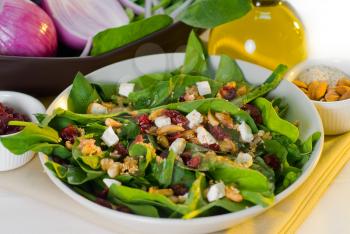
[271, 83]
[148, 80]
[183, 176]
[223, 203]
[146, 154]
[30, 138]
[228, 71]
[129, 130]
[106, 91]
[138, 196]
[163, 171]
[258, 198]
[195, 198]
[114, 38]
[212, 104]
[273, 122]
[209, 13]
[196, 58]
[81, 94]
[144, 210]
[307, 146]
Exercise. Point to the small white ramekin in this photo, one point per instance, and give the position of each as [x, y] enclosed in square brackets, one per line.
[335, 115]
[24, 104]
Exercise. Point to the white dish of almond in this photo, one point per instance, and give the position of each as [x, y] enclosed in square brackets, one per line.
[327, 84]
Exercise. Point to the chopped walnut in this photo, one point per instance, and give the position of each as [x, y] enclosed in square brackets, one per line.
[192, 94]
[130, 165]
[88, 147]
[233, 194]
[225, 119]
[228, 145]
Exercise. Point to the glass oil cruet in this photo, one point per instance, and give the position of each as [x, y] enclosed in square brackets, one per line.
[270, 34]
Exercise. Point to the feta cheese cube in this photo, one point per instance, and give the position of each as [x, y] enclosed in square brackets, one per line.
[244, 159]
[162, 121]
[178, 146]
[246, 132]
[109, 182]
[216, 192]
[195, 118]
[204, 137]
[203, 88]
[97, 109]
[109, 137]
[126, 88]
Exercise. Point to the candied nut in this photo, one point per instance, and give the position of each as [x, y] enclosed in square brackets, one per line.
[69, 145]
[300, 84]
[344, 82]
[114, 169]
[169, 129]
[212, 120]
[163, 141]
[225, 119]
[227, 145]
[304, 90]
[345, 96]
[106, 163]
[233, 194]
[242, 90]
[188, 134]
[155, 114]
[109, 122]
[317, 89]
[192, 93]
[342, 89]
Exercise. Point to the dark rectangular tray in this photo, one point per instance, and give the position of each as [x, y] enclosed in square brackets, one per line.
[49, 76]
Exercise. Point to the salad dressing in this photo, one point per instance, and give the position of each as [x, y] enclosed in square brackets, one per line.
[270, 34]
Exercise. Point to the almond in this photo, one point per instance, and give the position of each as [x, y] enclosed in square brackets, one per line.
[317, 89]
[300, 84]
[155, 114]
[344, 82]
[345, 96]
[225, 119]
[342, 89]
[331, 96]
[212, 120]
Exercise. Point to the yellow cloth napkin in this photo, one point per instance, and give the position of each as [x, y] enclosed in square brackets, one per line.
[287, 216]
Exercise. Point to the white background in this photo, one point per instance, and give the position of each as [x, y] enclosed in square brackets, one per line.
[327, 22]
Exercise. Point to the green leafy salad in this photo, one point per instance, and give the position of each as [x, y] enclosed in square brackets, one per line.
[179, 144]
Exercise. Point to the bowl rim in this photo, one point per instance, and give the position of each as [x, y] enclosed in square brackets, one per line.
[242, 214]
[318, 62]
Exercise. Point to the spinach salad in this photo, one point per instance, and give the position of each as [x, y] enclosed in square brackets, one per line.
[178, 144]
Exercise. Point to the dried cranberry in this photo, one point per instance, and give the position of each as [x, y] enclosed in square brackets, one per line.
[214, 146]
[186, 156]
[176, 117]
[172, 137]
[254, 112]
[217, 132]
[123, 209]
[228, 92]
[182, 99]
[102, 193]
[179, 189]
[164, 154]
[8, 114]
[103, 202]
[69, 133]
[122, 150]
[272, 161]
[138, 139]
[144, 122]
[194, 162]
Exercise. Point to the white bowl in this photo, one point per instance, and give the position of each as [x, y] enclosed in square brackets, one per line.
[335, 115]
[24, 104]
[300, 109]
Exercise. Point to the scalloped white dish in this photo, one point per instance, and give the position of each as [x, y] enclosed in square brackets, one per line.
[300, 108]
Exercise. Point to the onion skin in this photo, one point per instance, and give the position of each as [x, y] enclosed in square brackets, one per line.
[77, 20]
[26, 30]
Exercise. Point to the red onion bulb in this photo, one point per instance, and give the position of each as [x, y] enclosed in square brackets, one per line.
[26, 30]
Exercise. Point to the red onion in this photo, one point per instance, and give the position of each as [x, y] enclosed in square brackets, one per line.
[26, 30]
[78, 20]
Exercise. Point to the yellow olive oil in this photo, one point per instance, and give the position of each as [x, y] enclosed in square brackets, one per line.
[270, 34]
